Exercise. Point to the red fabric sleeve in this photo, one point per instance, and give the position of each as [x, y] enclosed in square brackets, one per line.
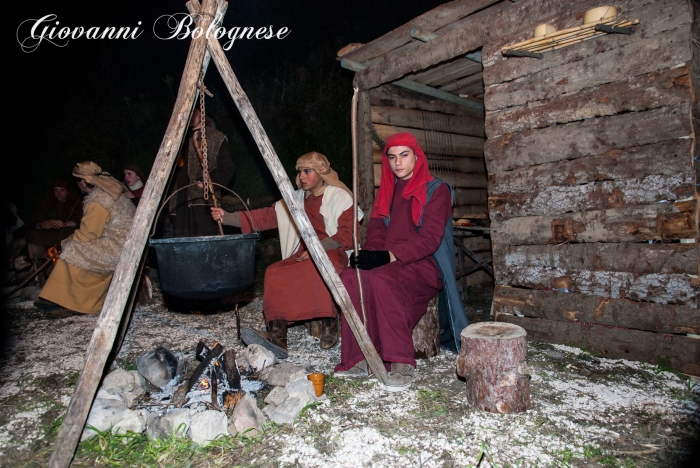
[376, 234]
[263, 219]
[437, 212]
[344, 234]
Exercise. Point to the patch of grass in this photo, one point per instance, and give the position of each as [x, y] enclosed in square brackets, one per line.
[432, 402]
[72, 379]
[565, 455]
[136, 450]
[597, 454]
[662, 365]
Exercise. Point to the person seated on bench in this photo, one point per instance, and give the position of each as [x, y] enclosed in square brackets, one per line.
[407, 258]
[294, 289]
[80, 279]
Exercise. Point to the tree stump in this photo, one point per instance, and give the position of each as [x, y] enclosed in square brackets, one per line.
[426, 333]
[493, 362]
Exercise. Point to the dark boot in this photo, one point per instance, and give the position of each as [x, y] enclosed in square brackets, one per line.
[274, 339]
[329, 333]
[315, 327]
[278, 333]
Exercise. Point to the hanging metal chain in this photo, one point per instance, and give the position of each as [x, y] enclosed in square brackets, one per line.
[203, 134]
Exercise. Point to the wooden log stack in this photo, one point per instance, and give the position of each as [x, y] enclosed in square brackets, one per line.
[592, 190]
[492, 360]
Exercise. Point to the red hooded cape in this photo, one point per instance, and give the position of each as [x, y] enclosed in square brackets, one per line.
[417, 184]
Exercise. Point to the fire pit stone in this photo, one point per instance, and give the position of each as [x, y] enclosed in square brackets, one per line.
[158, 366]
[277, 396]
[207, 426]
[260, 358]
[283, 373]
[175, 421]
[246, 416]
[128, 385]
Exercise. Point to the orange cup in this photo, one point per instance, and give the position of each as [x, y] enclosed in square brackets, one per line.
[318, 380]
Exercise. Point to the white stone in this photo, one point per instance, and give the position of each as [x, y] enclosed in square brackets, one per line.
[259, 357]
[281, 374]
[302, 389]
[207, 426]
[288, 411]
[176, 422]
[158, 366]
[269, 410]
[246, 416]
[277, 396]
[127, 385]
[103, 415]
[134, 421]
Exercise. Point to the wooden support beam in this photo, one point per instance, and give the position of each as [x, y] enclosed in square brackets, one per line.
[108, 323]
[590, 309]
[421, 88]
[474, 33]
[365, 157]
[625, 224]
[423, 34]
[617, 343]
[318, 254]
[459, 124]
[395, 96]
[475, 56]
[433, 20]
[473, 256]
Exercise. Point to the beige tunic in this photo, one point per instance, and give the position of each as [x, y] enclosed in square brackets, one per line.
[72, 287]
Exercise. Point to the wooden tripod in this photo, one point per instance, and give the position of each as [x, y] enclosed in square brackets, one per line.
[112, 313]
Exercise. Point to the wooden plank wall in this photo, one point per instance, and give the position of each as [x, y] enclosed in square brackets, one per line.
[397, 110]
[589, 156]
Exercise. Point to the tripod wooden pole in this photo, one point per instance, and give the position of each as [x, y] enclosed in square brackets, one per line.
[108, 323]
[318, 254]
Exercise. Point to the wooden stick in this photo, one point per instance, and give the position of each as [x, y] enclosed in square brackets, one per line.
[106, 329]
[318, 254]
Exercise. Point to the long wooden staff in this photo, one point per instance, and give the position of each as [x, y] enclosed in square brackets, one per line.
[355, 243]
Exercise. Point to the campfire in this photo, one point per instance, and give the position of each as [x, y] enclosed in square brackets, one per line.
[216, 381]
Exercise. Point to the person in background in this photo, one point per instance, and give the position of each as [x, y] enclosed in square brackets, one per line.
[55, 219]
[80, 279]
[135, 179]
[188, 210]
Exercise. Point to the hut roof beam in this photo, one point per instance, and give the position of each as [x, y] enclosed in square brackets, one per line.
[421, 88]
[430, 21]
[474, 32]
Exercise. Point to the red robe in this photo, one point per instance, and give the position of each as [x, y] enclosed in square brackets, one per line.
[294, 290]
[396, 295]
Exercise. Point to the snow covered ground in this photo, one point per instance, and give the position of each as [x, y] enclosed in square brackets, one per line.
[586, 410]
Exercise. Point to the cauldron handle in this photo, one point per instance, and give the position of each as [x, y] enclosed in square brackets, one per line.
[155, 224]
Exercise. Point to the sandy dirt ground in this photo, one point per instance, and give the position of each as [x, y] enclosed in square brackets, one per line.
[586, 410]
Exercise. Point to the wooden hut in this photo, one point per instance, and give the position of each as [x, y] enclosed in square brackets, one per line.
[580, 147]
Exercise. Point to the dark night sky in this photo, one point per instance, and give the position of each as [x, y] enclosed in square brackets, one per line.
[51, 78]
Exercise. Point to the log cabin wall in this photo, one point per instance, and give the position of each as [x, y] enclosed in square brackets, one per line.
[592, 188]
[589, 151]
[395, 110]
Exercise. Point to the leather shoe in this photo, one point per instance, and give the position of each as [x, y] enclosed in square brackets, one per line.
[329, 333]
[61, 313]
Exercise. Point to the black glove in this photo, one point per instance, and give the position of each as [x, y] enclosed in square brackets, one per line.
[370, 259]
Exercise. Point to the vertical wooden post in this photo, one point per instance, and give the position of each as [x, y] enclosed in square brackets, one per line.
[365, 163]
[118, 294]
[318, 254]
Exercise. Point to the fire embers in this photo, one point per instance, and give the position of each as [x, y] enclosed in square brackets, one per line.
[216, 380]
